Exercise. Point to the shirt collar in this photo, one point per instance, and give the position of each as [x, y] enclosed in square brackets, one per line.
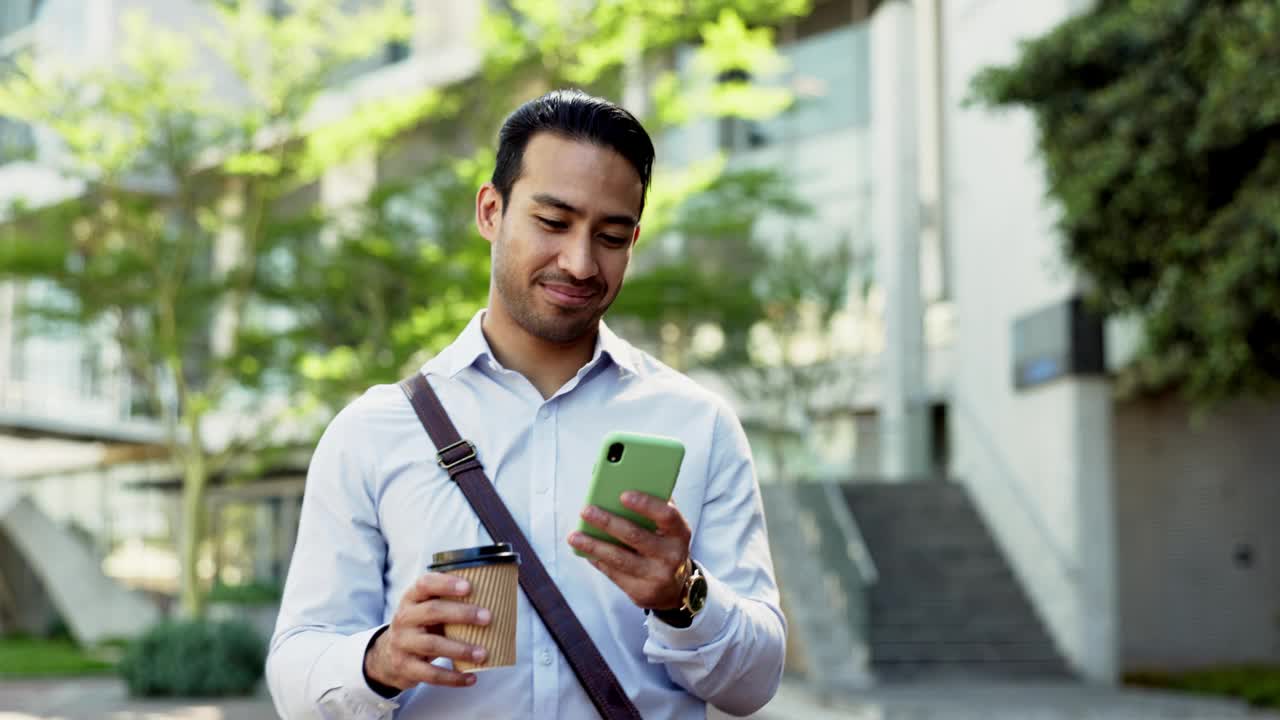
[471, 345]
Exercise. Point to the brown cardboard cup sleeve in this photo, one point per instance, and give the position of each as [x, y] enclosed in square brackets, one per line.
[494, 574]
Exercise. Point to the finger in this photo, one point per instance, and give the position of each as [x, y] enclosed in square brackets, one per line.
[618, 558]
[662, 512]
[636, 589]
[416, 670]
[430, 645]
[433, 585]
[440, 612]
[641, 540]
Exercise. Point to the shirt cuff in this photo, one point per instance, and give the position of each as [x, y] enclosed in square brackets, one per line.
[357, 697]
[707, 625]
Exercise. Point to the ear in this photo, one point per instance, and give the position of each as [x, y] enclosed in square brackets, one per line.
[635, 236]
[488, 211]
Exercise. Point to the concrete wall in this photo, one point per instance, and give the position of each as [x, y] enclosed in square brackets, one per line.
[25, 607]
[1198, 542]
[1037, 462]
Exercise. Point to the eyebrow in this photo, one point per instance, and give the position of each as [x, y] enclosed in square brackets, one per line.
[555, 202]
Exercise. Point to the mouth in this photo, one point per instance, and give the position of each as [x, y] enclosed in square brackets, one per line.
[568, 295]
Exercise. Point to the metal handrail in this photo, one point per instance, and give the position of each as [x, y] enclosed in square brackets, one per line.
[826, 569]
[855, 543]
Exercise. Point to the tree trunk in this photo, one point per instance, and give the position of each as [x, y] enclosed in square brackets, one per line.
[195, 479]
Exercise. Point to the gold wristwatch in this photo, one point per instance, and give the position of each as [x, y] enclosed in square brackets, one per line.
[692, 601]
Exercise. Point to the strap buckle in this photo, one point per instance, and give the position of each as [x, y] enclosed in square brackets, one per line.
[449, 465]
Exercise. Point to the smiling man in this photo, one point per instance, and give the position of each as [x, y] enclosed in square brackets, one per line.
[684, 616]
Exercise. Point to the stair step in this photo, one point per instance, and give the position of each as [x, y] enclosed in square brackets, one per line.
[911, 671]
[947, 601]
[939, 621]
[964, 652]
[943, 595]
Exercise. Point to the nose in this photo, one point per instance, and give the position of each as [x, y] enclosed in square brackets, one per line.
[576, 257]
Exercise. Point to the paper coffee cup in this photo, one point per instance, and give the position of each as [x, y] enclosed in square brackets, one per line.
[493, 571]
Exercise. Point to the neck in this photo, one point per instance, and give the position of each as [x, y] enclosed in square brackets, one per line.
[546, 364]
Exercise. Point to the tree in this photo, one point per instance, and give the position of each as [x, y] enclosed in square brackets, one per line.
[1159, 123]
[376, 326]
[165, 246]
[195, 242]
[699, 266]
[796, 361]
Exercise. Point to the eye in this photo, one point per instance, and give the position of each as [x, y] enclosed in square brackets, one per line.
[553, 224]
[614, 240]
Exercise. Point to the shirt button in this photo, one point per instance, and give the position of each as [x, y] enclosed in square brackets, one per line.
[545, 657]
[544, 413]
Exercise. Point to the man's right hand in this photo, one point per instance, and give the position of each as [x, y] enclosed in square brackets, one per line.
[401, 657]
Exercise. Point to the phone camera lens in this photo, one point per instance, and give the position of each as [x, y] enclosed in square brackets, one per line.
[615, 452]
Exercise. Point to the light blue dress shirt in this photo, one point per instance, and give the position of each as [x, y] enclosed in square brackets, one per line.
[377, 507]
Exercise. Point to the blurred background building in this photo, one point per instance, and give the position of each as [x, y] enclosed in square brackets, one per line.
[979, 503]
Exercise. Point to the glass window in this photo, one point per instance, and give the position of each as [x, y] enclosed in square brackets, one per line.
[830, 77]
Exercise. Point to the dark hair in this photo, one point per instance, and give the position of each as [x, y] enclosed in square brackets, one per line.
[574, 115]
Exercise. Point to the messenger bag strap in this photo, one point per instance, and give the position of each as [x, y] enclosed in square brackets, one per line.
[458, 458]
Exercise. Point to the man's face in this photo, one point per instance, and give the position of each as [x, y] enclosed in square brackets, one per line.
[561, 247]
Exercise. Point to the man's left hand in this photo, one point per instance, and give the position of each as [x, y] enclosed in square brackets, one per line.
[653, 569]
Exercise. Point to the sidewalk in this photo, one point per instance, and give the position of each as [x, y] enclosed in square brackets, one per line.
[98, 698]
[1005, 701]
[102, 698]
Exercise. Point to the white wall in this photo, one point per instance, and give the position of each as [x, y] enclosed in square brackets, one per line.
[1191, 495]
[1037, 462]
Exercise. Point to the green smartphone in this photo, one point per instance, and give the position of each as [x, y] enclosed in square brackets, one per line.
[631, 461]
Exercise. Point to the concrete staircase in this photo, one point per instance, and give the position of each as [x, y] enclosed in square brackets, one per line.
[946, 603]
[69, 575]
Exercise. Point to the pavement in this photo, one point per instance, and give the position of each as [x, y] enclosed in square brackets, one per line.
[986, 700]
[104, 698]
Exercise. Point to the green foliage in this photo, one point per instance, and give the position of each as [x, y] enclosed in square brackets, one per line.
[1256, 684]
[22, 656]
[195, 659]
[163, 249]
[375, 326]
[255, 593]
[196, 245]
[1160, 127]
[712, 275]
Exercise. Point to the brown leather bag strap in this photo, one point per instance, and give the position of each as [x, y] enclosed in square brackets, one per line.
[458, 457]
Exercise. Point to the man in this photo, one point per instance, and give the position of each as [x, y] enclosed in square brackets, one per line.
[535, 381]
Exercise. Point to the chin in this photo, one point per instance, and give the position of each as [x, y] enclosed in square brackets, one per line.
[562, 330]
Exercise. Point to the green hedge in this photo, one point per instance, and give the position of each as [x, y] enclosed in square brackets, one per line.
[256, 593]
[195, 659]
[1258, 685]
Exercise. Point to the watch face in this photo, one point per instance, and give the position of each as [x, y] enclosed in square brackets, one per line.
[698, 593]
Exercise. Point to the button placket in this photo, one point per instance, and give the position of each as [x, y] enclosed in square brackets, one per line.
[542, 536]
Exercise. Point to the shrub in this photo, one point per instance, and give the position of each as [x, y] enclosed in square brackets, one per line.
[1258, 685]
[195, 659]
[255, 593]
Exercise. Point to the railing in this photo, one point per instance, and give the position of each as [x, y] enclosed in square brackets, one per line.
[825, 572]
[55, 409]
